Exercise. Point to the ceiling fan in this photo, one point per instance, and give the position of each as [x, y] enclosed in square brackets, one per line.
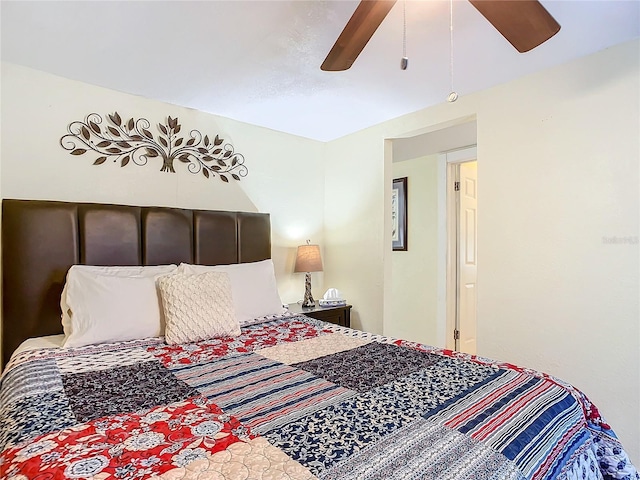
[524, 23]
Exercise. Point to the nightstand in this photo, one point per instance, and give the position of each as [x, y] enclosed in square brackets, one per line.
[340, 315]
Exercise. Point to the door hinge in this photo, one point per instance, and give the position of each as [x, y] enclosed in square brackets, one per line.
[456, 334]
[456, 186]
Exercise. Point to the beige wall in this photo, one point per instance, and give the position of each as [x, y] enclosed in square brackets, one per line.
[414, 273]
[37, 107]
[559, 152]
[354, 235]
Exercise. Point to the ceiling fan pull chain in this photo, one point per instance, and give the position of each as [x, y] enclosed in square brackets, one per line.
[404, 63]
[453, 96]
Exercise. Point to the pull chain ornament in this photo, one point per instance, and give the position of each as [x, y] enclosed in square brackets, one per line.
[453, 96]
[404, 63]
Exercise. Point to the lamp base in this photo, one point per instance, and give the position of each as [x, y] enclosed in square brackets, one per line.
[308, 298]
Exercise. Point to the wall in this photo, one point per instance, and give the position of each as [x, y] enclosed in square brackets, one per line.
[438, 141]
[414, 273]
[37, 107]
[559, 152]
[354, 234]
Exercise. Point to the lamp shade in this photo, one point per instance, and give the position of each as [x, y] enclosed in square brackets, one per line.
[308, 259]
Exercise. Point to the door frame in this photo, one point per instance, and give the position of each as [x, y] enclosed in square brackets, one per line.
[447, 242]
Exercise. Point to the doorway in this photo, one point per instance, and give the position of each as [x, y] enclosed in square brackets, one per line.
[462, 257]
[416, 304]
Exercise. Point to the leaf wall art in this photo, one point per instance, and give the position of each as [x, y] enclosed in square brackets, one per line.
[132, 141]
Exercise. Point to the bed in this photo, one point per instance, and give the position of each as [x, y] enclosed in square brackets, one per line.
[284, 397]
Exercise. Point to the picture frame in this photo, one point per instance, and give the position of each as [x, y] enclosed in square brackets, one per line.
[399, 214]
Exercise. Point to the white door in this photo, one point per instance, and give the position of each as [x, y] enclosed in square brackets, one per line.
[467, 257]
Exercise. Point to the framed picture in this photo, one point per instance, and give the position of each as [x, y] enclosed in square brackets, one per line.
[399, 213]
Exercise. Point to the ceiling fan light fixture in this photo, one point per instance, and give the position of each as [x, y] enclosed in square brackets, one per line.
[524, 23]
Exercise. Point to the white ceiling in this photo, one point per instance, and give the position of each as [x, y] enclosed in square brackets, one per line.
[259, 62]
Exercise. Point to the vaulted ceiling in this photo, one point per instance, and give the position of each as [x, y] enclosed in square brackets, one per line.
[259, 61]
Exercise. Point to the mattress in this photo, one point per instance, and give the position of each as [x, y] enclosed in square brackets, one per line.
[295, 398]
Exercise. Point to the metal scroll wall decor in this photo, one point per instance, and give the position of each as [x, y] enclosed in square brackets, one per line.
[132, 141]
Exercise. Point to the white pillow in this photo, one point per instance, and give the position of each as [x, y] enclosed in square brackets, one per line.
[197, 307]
[79, 273]
[108, 308]
[253, 287]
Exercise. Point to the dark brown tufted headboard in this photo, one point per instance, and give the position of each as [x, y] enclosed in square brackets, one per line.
[42, 239]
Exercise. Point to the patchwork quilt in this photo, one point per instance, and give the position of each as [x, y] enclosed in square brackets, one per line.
[294, 398]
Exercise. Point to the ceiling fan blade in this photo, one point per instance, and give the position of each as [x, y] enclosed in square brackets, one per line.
[524, 23]
[359, 29]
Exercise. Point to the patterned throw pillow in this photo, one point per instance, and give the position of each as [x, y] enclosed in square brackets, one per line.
[197, 307]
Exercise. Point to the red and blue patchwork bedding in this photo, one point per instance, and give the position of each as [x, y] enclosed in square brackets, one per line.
[295, 398]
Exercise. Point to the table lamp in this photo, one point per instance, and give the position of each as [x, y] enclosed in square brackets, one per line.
[308, 260]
